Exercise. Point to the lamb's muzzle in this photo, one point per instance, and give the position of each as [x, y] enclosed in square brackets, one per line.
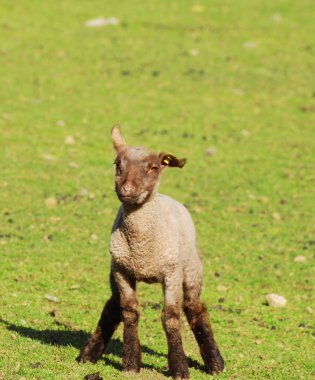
[152, 240]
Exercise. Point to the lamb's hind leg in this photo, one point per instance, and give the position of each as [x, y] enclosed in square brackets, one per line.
[107, 324]
[198, 318]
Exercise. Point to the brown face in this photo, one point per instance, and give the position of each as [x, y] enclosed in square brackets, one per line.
[138, 170]
[137, 175]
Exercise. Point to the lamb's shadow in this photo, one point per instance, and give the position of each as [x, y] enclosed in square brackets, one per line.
[77, 338]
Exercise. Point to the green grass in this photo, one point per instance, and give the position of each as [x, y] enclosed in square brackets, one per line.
[180, 76]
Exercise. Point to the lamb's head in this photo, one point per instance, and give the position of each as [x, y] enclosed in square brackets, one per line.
[138, 170]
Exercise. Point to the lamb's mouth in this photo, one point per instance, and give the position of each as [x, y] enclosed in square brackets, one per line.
[133, 199]
[129, 199]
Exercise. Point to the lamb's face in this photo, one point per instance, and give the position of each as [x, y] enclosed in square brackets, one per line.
[138, 170]
[137, 175]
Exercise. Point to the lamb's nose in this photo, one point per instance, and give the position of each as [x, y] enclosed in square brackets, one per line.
[127, 187]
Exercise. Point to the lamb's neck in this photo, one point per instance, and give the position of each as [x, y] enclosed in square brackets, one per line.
[142, 218]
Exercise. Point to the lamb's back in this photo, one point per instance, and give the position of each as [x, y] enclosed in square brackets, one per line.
[177, 220]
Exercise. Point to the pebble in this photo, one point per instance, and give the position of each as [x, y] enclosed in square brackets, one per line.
[275, 300]
[300, 259]
[73, 165]
[194, 52]
[48, 157]
[73, 287]
[276, 17]
[60, 123]
[101, 21]
[69, 140]
[51, 298]
[211, 151]
[276, 217]
[83, 193]
[309, 310]
[51, 202]
[94, 237]
[222, 288]
[250, 44]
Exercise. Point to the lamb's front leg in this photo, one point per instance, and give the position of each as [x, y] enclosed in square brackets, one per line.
[177, 360]
[130, 316]
[107, 324]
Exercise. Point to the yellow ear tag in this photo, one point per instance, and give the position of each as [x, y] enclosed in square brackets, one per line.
[168, 159]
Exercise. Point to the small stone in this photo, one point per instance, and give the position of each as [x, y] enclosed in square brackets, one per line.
[194, 52]
[222, 288]
[250, 44]
[101, 21]
[51, 298]
[263, 199]
[91, 196]
[51, 202]
[211, 151]
[300, 259]
[83, 193]
[48, 238]
[276, 17]
[73, 165]
[73, 287]
[69, 140]
[276, 217]
[275, 300]
[48, 157]
[309, 310]
[55, 219]
[23, 322]
[94, 237]
[238, 92]
[60, 123]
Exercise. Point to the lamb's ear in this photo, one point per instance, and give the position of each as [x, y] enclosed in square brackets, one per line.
[168, 159]
[117, 138]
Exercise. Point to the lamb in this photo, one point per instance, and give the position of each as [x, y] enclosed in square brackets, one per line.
[152, 240]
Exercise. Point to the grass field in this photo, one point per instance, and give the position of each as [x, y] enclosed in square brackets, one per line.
[229, 85]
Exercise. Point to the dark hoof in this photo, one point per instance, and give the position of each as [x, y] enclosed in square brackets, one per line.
[180, 373]
[132, 370]
[215, 365]
[132, 366]
[91, 352]
[82, 358]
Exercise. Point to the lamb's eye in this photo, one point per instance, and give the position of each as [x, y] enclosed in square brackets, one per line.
[153, 168]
